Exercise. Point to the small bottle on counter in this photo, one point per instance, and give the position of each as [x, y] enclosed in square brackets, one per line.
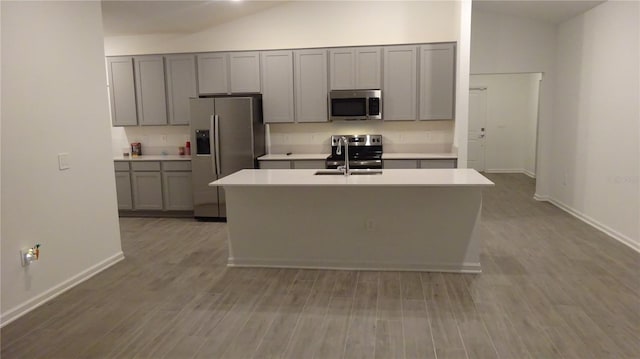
[188, 148]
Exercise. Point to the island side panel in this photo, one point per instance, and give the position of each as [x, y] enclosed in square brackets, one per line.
[395, 228]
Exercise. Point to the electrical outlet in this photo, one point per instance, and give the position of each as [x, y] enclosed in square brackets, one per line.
[370, 225]
[63, 161]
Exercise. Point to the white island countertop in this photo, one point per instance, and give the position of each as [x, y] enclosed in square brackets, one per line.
[460, 177]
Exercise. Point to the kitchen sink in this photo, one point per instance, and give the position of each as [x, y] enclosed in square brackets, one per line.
[356, 172]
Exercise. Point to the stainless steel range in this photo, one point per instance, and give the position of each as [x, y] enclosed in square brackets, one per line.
[365, 151]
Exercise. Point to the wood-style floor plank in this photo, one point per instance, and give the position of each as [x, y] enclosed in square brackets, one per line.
[551, 287]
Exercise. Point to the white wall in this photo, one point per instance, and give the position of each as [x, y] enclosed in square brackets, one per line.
[511, 121]
[463, 24]
[597, 119]
[301, 24]
[509, 44]
[54, 99]
[155, 140]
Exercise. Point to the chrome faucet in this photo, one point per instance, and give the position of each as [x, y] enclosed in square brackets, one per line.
[343, 141]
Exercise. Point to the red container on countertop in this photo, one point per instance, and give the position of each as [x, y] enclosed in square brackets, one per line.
[188, 148]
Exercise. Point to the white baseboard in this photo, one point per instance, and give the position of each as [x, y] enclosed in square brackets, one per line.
[466, 267]
[592, 222]
[522, 171]
[33, 303]
[541, 198]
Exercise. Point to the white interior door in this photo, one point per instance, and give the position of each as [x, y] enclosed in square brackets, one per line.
[477, 128]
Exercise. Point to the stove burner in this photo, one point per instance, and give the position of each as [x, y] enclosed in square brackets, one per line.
[365, 152]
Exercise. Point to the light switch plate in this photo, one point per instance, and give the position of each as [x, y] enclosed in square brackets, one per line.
[63, 161]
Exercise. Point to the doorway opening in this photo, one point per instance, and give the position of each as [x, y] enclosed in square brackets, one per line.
[503, 122]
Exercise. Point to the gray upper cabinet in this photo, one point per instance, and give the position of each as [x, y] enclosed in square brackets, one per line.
[342, 69]
[213, 73]
[150, 90]
[310, 85]
[400, 83]
[277, 86]
[122, 91]
[355, 68]
[181, 85]
[244, 72]
[437, 77]
[227, 73]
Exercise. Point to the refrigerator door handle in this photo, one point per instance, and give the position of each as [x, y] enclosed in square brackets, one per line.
[216, 124]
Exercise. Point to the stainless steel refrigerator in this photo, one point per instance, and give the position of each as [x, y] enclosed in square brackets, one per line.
[227, 135]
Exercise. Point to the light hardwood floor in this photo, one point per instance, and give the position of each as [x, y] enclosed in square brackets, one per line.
[551, 287]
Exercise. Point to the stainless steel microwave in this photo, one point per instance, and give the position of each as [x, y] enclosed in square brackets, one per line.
[355, 105]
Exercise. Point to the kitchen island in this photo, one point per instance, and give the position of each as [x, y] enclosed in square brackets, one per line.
[404, 219]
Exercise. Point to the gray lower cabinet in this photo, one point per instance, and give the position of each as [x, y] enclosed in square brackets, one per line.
[123, 190]
[154, 185]
[309, 164]
[299, 164]
[177, 185]
[419, 163]
[444, 163]
[147, 190]
[275, 165]
[399, 164]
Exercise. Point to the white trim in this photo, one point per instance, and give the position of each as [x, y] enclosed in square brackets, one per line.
[541, 198]
[41, 299]
[466, 267]
[502, 170]
[597, 225]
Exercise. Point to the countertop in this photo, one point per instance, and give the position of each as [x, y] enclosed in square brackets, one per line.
[154, 158]
[385, 156]
[460, 177]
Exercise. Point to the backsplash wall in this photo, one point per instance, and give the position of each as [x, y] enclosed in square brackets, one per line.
[402, 136]
[155, 140]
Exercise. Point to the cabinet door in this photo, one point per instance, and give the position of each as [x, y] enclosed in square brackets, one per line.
[400, 78]
[123, 190]
[311, 85]
[437, 63]
[342, 69]
[275, 165]
[147, 190]
[245, 72]
[150, 90]
[368, 67]
[400, 164]
[122, 91]
[309, 164]
[177, 191]
[437, 163]
[213, 73]
[277, 86]
[181, 85]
